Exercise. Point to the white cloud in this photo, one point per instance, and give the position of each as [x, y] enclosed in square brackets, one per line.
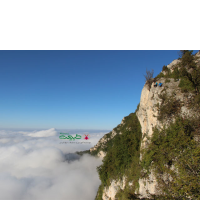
[33, 166]
[44, 133]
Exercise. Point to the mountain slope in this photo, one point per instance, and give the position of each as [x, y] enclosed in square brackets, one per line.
[144, 156]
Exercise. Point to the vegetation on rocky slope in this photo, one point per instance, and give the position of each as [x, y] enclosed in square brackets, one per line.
[188, 71]
[174, 156]
[122, 156]
[172, 153]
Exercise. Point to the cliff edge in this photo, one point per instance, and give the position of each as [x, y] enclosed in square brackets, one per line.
[158, 109]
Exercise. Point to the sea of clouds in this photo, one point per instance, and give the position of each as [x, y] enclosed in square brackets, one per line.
[34, 165]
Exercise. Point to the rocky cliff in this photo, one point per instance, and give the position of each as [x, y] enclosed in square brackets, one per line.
[148, 111]
[147, 114]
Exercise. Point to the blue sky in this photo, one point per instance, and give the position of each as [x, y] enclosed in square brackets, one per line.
[73, 89]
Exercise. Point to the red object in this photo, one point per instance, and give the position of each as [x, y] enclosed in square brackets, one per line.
[86, 137]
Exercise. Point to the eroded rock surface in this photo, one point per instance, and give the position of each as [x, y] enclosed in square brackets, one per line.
[147, 115]
[110, 192]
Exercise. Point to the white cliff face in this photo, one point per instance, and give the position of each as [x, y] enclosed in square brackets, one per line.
[148, 111]
[147, 186]
[122, 122]
[147, 117]
[101, 154]
[173, 64]
[197, 57]
[110, 192]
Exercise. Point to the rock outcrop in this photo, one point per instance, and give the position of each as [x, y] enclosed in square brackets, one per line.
[101, 154]
[110, 192]
[147, 113]
[173, 64]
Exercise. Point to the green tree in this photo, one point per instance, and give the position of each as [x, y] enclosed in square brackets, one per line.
[176, 73]
[182, 52]
[187, 59]
[196, 79]
[165, 68]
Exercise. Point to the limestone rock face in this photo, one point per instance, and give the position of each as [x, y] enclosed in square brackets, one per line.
[197, 58]
[123, 121]
[101, 154]
[173, 63]
[147, 113]
[110, 192]
[147, 186]
[147, 117]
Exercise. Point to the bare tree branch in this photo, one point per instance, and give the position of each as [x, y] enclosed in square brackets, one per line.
[149, 77]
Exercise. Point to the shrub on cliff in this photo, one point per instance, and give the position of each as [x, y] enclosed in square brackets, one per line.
[165, 68]
[170, 106]
[161, 75]
[187, 59]
[196, 79]
[186, 85]
[123, 154]
[174, 156]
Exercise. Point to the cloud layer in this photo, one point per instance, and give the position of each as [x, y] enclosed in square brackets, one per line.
[33, 166]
